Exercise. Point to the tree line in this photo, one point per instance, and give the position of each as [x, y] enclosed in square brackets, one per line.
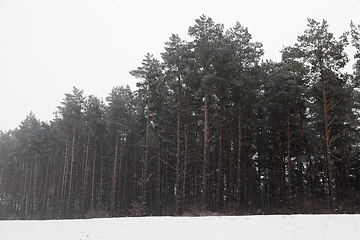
[210, 128]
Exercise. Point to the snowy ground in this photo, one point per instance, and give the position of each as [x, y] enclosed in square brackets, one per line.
[290, 227]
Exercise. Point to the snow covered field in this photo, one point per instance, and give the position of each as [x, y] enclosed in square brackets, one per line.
[289, 227]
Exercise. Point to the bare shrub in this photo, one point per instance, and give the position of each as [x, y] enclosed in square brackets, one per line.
[137, 209]
[97, 213]
[14, 216]
[196, 211]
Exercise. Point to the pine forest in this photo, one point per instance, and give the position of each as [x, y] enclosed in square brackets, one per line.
[212, 128]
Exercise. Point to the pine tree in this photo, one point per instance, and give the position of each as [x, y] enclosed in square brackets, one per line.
[120, 115]
[207, 36]
[149, 72]
[325, 57]
[71, 111]
[242, 67]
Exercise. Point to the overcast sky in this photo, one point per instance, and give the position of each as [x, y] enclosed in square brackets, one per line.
[47, 47]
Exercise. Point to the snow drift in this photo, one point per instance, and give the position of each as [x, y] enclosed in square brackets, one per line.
[244, 227]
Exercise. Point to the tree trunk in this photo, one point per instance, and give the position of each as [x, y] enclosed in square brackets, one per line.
[2, 183]
[72, 167]
[206, 149]
[288, 138]
[177, 187]
[35, 197]
[195, 157]
[186, 147]
[327, 138]
[277, 164]
[101, 176]
[230, 165]
[85, 179]
[166, 162]
[93, 183]
[144, 165]
[114, 176]
[238, 190]
[158, 174]
[220, 163]
[64, 177]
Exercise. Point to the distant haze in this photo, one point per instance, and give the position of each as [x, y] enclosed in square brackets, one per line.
[47, 47]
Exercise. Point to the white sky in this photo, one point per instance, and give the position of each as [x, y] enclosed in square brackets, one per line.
[47, 47]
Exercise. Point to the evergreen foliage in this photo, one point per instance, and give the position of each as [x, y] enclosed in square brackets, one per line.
[211, 128]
